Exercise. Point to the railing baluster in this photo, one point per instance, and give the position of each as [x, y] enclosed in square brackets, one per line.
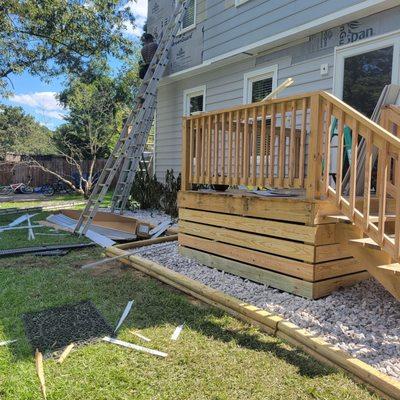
[282, 147]
[198, 150]
[237, 149]
[339, 163]
[327, 146]
[254, 148]
[263, 145]
[230, 133]
[185, 180]
[367, 178]
[216, 144]
[272, 146]
[292, 144]
[246, 148]
[397, 209]
[222, 178]
[383, 166]
[209, 138]
[303, 141]
[353, 168]
[203, 149]
[191, 147]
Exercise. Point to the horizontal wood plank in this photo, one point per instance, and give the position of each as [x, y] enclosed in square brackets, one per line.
[276, 280]
[323, 234]
[296, 250]
[268, 261]
[287, 209]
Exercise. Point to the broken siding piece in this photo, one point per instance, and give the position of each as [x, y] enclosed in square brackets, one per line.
[135, 347]
[124, 315]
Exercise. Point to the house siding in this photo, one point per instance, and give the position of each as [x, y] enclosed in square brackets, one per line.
[224, 86]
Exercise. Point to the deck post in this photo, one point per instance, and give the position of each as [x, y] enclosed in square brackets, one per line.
[185, 178]
[314, 163]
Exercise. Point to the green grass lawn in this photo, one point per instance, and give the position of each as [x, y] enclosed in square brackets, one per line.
[216, 356]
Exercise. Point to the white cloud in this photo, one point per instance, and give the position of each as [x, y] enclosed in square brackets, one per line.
[44, 103]
[139, 10]
[43, 100]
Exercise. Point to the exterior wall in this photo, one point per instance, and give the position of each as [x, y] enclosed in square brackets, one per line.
[224, 86]
[229, 27]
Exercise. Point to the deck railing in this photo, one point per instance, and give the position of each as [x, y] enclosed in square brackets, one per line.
[375, 140]
[300, 142]
[258, 144]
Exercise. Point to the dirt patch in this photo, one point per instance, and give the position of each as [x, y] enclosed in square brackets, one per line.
[52, 329]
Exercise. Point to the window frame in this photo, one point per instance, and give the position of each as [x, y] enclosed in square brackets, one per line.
[361, 47]
[258, 75]
[240, 2]
[193, 92]
[190, 27]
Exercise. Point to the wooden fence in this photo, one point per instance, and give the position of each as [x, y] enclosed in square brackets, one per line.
[14, 170]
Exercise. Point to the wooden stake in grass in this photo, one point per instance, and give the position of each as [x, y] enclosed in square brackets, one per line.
[40, 372]
[65, 353]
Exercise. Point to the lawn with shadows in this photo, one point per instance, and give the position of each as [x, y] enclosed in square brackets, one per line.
[216, 357]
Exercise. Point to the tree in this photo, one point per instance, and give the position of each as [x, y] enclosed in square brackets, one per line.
[21, 133]
[98, 104]
[51, 37]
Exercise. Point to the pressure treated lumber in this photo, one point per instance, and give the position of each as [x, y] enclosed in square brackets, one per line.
[270, 323]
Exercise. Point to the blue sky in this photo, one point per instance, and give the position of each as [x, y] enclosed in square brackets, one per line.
[37, 97]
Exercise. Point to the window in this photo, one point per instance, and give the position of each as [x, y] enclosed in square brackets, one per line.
[194, 100]
[259, 84]
[362, 69]
[189, 19]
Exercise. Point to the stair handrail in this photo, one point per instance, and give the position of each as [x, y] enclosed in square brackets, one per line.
[388, 145]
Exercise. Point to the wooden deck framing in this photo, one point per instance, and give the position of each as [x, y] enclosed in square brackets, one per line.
[286, 243]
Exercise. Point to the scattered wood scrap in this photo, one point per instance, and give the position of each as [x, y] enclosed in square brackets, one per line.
[177, 332]
[7, 342]
[139, 335]
[135, 347]
[40, 372]
[65, 353]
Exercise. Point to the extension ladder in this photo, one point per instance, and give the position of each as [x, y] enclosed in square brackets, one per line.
[130, 145]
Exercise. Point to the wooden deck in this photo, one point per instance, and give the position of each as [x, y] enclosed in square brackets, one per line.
[285, 242]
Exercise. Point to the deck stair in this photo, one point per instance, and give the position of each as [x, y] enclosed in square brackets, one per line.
[375, 241]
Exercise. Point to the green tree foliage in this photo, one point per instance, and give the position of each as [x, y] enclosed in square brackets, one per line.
[97, 104]
[50, 37]
[21, 133]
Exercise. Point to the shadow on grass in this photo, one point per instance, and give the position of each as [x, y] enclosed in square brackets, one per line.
[53, 282]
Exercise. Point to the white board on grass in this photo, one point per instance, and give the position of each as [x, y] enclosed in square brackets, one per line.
[135, 347]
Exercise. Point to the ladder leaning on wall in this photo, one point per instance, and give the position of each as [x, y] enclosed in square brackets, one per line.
[128, 151]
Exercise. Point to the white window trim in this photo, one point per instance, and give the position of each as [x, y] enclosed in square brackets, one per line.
[240, 2]
[257, 75]
[364, 46]
[193, 92]
[190, 27]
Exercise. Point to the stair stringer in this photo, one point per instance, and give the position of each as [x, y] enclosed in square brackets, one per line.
[371, 259]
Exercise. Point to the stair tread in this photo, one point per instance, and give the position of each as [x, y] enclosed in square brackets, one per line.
[365, 242]
[373, 217]
[391, 267]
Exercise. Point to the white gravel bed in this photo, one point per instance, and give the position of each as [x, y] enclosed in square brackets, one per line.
[363, 320]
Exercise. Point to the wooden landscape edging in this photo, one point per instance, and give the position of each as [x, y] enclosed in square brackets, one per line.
[360, 371]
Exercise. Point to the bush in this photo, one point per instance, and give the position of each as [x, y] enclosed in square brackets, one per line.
[149, 194]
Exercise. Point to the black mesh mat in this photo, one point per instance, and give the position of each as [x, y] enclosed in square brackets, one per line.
[52, 329]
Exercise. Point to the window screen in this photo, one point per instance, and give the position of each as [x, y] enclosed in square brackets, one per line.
[189, 18]
[260, 89]
[196, 104]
